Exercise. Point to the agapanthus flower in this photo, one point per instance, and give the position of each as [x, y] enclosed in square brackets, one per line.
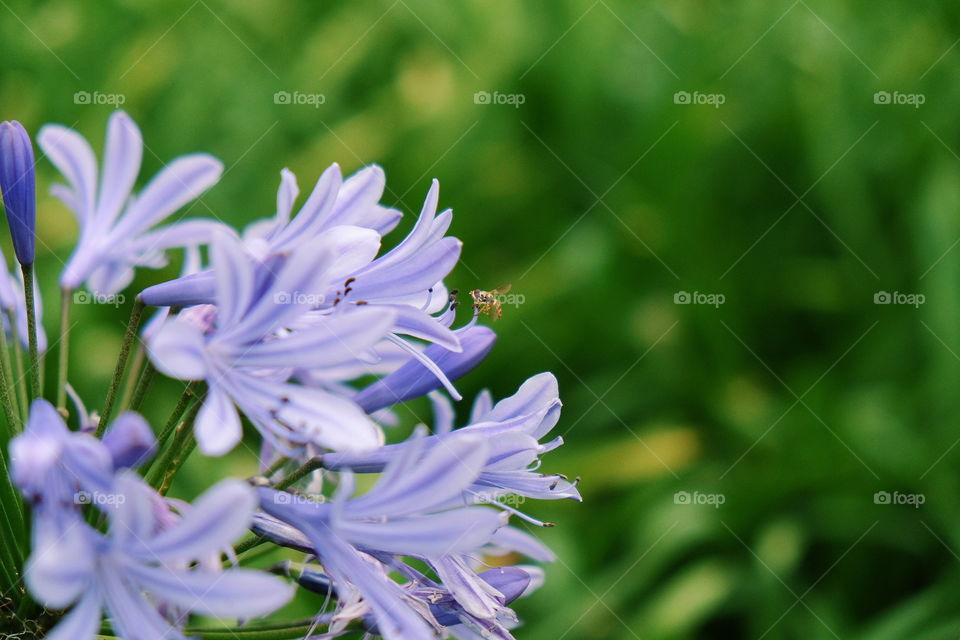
[407, 512]
[244, 369]
[283, 326]
[140, 558]
[406, 280]
[116, 227]
[512, 427]
[18, 187]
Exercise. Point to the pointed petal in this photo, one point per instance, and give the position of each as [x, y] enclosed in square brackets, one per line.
[177, 350]
[217, 428]
[234, 593]
[74, 158]
[123, 152]
[216, 520]
[336, 340]
[83, 621]
[181, 181]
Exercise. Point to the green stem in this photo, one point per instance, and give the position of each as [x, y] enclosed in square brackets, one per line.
[188, 394]
[249, 543]
[21, 376]
[183, 442]
[9, 393]
[275, 467]
[27, 270]
[306, 468]
[266, 632]
[66, 299]
[145, 379]
[132, 328]
[136, 369]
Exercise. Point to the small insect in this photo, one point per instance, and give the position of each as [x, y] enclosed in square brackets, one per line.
[488, 302]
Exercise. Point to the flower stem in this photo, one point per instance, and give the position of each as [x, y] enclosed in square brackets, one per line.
[9, 393]
[19, 373]
[66, 299]
[136, 368]
[132, 328]
[145, 379]
[27, 270]
[180, 447]
[306, 468]
[188, 394]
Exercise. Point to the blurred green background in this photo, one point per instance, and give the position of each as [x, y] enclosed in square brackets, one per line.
[600, 198]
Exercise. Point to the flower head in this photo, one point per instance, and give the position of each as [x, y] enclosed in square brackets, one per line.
[116, 227]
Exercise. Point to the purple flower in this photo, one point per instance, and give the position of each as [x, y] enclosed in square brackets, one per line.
[512, 428]
[17, 184]
[248, 355]
[140, 572]
[115, 226]
[407, 512]
[50, 464]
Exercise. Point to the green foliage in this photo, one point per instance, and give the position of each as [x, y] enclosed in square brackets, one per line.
[599, 198]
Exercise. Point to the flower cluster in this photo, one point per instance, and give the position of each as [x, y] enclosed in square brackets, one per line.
[306, 329]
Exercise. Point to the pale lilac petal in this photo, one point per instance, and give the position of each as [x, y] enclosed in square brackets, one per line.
[234, 273]
[217, 519]
[181, 181]
[471, 592]
[234, 593]
[418, 324]
[187, 233]
[454, 531]
[123, 152]
[537, 392]
[336, 340]
[131, 616]
[286, 195]
[74, 158]
[177, 350]
[417, 273]
[83, 621]
[446, 470]
[217, 428]
[61, 564]
[309, 220]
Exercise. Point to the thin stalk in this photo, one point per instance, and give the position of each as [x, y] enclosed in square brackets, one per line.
[27, 270]
[136, 367]
[9, 393]
[21, 376]
[275, 467]
[66, 299]
[145, 379]
[132, 328]
[306, 468]
[181, 446]
[188, 394]
[249, 543]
